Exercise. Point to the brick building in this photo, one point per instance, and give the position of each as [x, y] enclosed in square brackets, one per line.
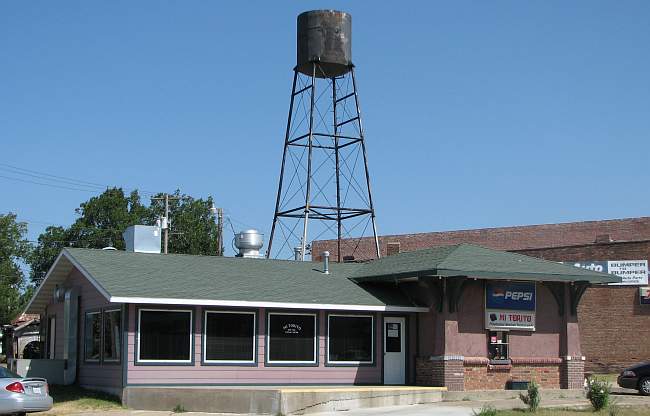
[614, 327]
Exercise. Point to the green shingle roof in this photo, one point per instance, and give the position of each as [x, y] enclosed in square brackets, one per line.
[175, 276]
[475, 261]
[125, 277]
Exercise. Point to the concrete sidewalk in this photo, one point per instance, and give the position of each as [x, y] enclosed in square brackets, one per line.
[448, 408]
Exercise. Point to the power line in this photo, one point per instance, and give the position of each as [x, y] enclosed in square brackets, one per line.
[58, 181]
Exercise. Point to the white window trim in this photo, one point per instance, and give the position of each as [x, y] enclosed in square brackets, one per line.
[191, 338]
[205, 337]
[268, 338]
[372, 337]
[101, 329]
[111, 360]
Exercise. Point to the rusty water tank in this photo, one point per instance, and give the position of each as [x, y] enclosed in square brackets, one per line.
[325, 37]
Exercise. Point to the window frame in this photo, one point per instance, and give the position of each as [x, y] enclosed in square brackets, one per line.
[292, 363]
[204, 336]
[139, 361]
[504, 334]
[101, 328]
[351, 363]
[119, 359]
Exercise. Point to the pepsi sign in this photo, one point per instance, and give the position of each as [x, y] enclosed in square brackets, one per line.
[510, 296]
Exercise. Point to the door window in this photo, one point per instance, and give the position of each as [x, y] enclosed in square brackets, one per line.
[393, 337]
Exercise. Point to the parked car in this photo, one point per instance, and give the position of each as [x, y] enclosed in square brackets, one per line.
[636, 377]
[19, 395]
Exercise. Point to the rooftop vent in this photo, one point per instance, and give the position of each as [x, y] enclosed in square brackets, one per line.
[142, 239]
[249, 243]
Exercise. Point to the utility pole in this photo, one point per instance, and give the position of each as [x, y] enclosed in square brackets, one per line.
[166, 223]
[219, 213]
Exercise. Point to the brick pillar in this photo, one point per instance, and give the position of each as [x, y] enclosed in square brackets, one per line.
[572, 373]
[441, 371]
[573, 363]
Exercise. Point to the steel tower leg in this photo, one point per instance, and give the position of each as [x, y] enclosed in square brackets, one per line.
[284, 157]
[303, 246]
[365, 162]
[338, 179]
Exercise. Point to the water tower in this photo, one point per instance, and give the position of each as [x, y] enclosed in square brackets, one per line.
[324, 187]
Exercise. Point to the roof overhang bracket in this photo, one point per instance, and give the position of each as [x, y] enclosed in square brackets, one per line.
[437, 288]
[576, 290]
[455, 288]
[559, 293]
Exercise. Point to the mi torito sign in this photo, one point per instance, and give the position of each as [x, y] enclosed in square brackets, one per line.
[510, 306]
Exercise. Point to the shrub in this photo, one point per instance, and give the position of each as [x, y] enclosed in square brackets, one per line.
[486, 410]
[178, 409]
[598, 393]
[532, 398]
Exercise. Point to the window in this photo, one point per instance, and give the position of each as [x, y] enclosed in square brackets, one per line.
[291, 338]
[164, 336]
[102, 335]
[498, 345]
[112, 329]
[92, 336]
[350, 339]
[229, 337]
[393, 337]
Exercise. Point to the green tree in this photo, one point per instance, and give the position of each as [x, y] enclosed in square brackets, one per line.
[103, 219]
[13, 249]
[49, 245]
[193, 228]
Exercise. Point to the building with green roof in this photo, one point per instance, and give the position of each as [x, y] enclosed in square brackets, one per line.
[458, 317]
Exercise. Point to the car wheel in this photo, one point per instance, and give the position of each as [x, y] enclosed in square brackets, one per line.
[644, 386]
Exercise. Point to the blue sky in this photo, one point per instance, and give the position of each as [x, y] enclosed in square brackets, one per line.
[477, 114]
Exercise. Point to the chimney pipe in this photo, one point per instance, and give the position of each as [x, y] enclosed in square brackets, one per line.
[326, 262]
[297, 251]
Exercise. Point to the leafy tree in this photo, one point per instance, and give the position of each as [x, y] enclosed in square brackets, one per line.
[50, 243]
[103, 219]
[193, 228]
[13, 248]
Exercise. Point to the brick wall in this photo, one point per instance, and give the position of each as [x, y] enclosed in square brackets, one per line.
[475, 373]
[480, 375]
[440, 371]
[572, 373]
[614, 327]
[504, 238]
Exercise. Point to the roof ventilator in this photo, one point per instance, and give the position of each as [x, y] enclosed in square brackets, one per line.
[326, 262]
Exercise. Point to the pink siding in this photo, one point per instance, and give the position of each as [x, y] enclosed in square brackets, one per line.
[259, 374]
[56, 310]
[465, 332]
[545, 341]
[92, 375]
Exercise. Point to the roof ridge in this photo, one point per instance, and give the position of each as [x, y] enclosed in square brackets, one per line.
[207, 256]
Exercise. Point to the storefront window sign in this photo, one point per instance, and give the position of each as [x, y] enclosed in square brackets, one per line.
[510, 306]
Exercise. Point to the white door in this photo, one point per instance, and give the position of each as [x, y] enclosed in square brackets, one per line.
[394, 351]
